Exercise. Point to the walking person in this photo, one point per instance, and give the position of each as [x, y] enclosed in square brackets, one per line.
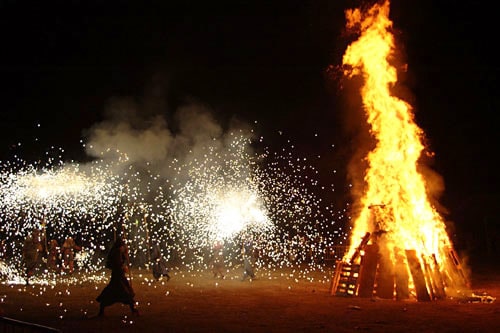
[158, 264]
[68, 255]
[32, 248]
[118, 289]
[248, 257]
[53, 256]
[218, 259]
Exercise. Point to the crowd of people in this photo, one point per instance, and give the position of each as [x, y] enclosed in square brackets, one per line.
[37, 254]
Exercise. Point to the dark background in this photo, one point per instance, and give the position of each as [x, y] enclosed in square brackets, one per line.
[264, 61]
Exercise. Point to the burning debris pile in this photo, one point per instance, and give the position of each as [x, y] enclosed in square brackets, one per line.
[399, 247]
[371, 271]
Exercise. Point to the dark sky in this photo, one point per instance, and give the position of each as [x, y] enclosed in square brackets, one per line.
[265, 61]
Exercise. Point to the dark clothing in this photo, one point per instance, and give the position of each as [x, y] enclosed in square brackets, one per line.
[68, 254]
[247, 252]
[158, 264]
[31, 255]
[118, 289]
[53, 256]
[218, 261]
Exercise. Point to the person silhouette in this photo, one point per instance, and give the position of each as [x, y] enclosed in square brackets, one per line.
[32, 248]
[218, 259]
[248, 257]
[118, 289]
[158, 264]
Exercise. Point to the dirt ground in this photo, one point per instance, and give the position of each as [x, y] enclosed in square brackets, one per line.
[277, 301]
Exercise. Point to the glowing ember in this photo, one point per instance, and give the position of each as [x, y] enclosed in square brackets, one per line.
[395, 206]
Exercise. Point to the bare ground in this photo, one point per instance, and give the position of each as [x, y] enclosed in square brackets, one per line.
[277, 301]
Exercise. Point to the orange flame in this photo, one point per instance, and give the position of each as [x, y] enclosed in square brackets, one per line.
[395, 201]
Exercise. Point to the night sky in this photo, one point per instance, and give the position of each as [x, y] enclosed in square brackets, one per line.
[254, 61]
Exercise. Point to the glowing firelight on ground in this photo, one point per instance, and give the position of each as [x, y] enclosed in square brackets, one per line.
[395, 203]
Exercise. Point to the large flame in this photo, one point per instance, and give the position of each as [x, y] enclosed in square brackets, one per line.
[395, 202]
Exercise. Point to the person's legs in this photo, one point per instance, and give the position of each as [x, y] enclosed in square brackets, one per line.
[101, 310]
[133, 308]
[248, 269]
[30, 271]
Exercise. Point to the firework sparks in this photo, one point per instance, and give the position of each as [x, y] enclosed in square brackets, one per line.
[234, 191]
[62, 200]
[216, 192]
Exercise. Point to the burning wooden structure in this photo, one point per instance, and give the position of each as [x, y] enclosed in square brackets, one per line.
[373, 271]
[404, 249]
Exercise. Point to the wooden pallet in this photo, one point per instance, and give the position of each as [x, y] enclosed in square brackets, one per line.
[345, 279]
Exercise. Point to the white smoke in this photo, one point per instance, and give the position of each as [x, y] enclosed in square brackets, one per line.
[134, 135]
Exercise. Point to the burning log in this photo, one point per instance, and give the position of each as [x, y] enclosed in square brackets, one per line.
[401, 277]
[358, 250]
[385, 279]
[370, 272]
[456, 272]
[417, 275]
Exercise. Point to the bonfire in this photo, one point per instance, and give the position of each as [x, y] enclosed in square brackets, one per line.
[400, 247]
